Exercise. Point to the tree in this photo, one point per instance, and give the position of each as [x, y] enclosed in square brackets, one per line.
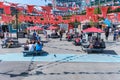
[97, 10]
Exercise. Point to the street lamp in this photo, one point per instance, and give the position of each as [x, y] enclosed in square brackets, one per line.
[16, 16]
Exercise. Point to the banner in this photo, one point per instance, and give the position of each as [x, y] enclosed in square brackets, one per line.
[104, 11]
[7, 10]
[30, 8]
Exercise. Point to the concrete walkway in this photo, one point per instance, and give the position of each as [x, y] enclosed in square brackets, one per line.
[63, 61]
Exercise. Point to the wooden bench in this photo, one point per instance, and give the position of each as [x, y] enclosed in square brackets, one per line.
[26, 53]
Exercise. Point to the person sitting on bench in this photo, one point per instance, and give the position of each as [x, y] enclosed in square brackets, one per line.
[26, 46]
[9, 43]
[102, 44]
[38, 46]
[96, 43]
[31, 46]
[77, 41]
[90, 45]
[4, 42]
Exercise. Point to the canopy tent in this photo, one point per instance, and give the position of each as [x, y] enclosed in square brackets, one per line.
[93, 29]
[96, 33]
[34, 28]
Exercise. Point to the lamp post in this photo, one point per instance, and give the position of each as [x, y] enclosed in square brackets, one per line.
[16, 16]
[98, 6]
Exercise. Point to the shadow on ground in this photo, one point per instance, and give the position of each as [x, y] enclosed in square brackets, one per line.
[110, 52]
[44, 53]
[26, 74]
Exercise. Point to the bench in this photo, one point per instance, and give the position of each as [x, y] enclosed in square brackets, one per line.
[26, 53]
[54, 36]
[93, 49]
[15, 44]
[4, 45]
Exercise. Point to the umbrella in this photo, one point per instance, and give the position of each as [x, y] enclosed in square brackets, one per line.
[93, 29]
[53, 28]
[35, 28]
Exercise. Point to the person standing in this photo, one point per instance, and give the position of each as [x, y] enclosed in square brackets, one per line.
[34, 35]
[45, 34]
[106, 33]
[61, 35]
[115, 35]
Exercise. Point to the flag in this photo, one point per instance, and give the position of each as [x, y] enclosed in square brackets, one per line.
[118, 17]
[7, 10]
[104, 11]
[46, 8]
[30, 8]
[89, 11]
[1, 5]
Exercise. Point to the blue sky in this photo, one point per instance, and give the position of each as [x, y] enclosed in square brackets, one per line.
[33, 2]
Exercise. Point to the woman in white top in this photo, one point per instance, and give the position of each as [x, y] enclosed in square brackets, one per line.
[31, 46]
